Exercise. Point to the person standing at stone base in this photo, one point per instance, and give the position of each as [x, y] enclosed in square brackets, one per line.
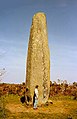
[35, 97]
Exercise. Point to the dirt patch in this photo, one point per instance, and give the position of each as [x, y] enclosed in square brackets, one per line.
[13, 108]
[16, 108]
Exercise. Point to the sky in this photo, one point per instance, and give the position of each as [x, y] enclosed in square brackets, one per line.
[15, 22]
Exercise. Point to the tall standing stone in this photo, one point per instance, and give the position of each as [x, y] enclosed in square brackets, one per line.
[38, 59]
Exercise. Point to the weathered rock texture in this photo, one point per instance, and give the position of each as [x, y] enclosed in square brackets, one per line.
[38, 59]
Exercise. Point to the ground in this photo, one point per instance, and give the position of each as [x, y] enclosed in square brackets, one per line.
[63, 107]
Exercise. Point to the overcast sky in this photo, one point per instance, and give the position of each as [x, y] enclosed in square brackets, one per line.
[15, 22]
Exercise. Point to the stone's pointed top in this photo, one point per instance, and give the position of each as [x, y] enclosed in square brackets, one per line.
[39, 17]
[39, 14]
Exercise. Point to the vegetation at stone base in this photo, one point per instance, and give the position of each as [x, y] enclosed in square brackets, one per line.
[12, 89]
[63, 96]
[60, 88]
[63, 89]
[63, 107]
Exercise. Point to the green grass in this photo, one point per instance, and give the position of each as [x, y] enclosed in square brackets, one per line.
[63, 107]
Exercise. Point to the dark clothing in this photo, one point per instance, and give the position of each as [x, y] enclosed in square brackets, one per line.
[34, 98]
[22, 99]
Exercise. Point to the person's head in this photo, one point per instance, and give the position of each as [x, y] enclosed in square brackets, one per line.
[36, 86]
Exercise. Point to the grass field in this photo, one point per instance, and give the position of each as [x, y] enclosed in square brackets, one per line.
[63, 107]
